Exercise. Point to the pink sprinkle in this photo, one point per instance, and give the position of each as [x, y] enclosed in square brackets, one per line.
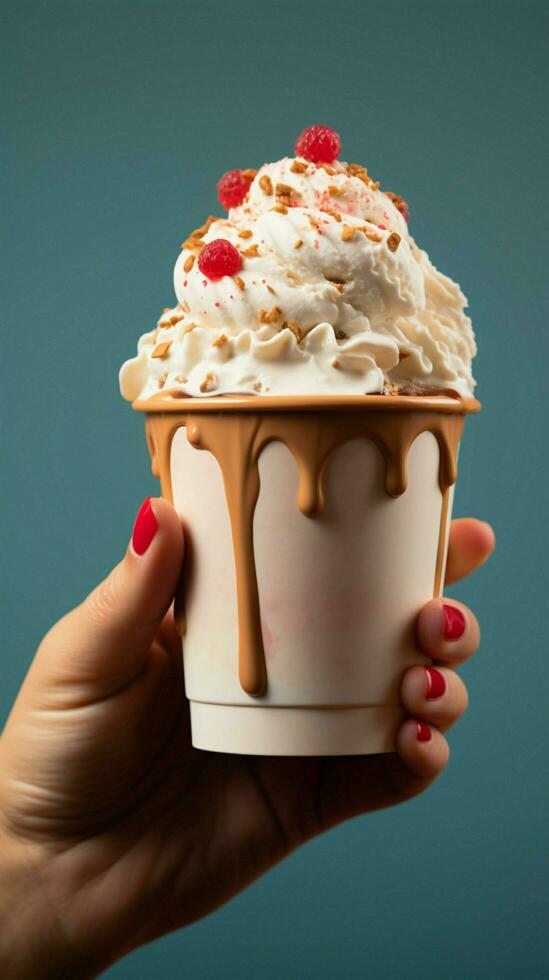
[217, 304]
[383, 227]
[204, 282]
[185, 283]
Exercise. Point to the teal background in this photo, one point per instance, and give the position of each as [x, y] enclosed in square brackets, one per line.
[118, 119]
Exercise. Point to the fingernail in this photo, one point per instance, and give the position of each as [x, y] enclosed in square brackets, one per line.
[454, 622]
[424, 733]
[145, 527]
[436, 685]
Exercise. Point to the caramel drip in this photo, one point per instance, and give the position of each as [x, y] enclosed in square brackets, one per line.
[236, 438]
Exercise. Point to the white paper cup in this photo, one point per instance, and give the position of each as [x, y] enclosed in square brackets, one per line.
[339, 595]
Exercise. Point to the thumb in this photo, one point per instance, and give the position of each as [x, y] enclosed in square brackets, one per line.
[99, 647]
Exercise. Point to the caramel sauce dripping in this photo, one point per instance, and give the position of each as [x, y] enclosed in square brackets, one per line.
[236, 431]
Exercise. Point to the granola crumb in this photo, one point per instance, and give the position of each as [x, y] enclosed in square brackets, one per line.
[188, 264]
[245, 233]
[329, 170]
[270, 290]
[371, 235]
[298, 243]
[162, 380]
[190, 327]
[251, 252]
[298, 167]
[393, 241]
[335, 363]
[280, 208]
[266, 184]
[240, 283]
[334, 191]
[219, 341]
[248, 174]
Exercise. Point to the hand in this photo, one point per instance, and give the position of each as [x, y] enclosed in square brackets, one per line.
[114, 830]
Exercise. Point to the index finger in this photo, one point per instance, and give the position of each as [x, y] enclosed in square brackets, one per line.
[471, 543]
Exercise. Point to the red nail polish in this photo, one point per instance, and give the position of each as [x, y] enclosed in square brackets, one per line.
[454, 622]
[145, 527]
[436, 684]
[424, 733]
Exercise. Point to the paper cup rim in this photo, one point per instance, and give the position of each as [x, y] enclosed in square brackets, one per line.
[444, 403]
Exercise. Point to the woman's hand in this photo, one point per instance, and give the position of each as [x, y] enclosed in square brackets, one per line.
[114, 830]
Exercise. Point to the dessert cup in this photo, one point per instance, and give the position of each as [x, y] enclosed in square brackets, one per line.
[316, 529]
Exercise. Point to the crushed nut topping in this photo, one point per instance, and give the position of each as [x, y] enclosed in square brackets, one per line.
[270, 317]
[191, 243]
[329, 170]
[266, 184]
[296, 330]
[251, 252]
[245, 233]
[398, 201]
[209, 383]
[349, 231]
[371, 235]
[161, 350]
[219, 341]
[335, 191]
[188, 264]
[271, 290]
[298, 167]
[176, 317]
[376, 185]
[335, 363]
[240, 283]
[162, 380]
[393, 241]
[190, 327]
[281, 208]
[284, 190]
[313, 222]
[248, 174]
[180, 379]
[298, 243]
[333, 214]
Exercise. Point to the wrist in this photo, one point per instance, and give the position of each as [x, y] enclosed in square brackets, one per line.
[32, 944]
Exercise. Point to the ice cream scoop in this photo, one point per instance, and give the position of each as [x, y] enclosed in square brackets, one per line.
[311, 285]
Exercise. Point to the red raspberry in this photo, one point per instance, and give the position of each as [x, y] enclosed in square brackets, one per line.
[219, 258]
[232, 189]
[320, 144]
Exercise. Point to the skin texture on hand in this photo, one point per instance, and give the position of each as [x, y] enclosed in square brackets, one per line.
[114, 830]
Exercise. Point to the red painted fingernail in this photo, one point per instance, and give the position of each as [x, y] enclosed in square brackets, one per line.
[436, 685]
[145, 527]
[424, 733]
[454, 622]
